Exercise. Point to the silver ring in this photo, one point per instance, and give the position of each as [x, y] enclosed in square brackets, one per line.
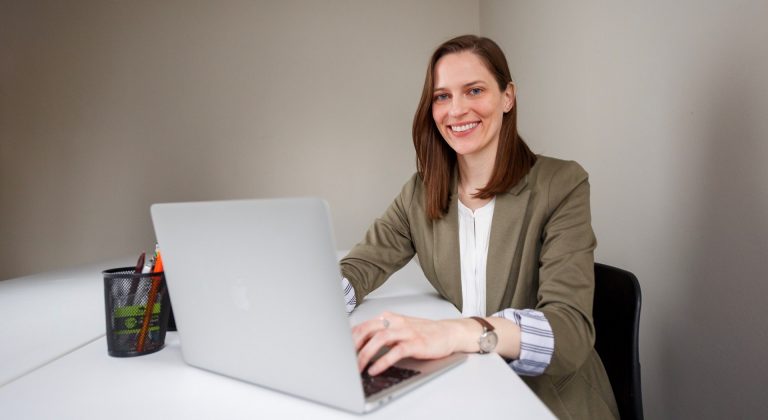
[385, 321]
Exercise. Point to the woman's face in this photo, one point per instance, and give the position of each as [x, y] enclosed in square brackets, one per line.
[467, 105]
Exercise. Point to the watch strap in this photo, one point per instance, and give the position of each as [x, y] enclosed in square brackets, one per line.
[487, 325]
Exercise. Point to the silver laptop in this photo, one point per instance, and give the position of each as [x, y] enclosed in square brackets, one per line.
[256, 292]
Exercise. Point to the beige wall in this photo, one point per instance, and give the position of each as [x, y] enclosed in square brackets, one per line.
[666, 105]
[109, 106]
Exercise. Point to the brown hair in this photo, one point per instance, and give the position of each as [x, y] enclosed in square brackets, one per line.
[436, 161]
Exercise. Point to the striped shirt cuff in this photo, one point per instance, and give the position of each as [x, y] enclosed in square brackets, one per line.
[537, 343]
[349, 295]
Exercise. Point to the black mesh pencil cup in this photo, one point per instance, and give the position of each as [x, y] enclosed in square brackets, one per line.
[137, 310]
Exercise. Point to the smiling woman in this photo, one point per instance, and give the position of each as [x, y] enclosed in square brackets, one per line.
[468, 88]
[503, 234]
[468, 110]
[467, 113]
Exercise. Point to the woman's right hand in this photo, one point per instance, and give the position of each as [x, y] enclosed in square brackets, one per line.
[408, 337]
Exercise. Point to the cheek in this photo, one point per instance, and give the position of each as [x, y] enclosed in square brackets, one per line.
[438, 113]
[490, 110]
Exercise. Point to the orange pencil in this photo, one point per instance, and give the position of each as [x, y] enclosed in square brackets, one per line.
[158, 264]
[158, 268]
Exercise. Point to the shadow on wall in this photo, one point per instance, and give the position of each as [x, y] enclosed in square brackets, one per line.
[722, 331]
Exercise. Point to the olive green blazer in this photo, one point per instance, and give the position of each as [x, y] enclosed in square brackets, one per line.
[540, 256]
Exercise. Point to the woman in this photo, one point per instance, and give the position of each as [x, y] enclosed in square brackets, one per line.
[503, 234]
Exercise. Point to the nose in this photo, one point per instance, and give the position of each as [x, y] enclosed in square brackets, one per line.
[458, 107]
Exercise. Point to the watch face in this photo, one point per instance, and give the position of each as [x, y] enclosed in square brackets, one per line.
[488, 341]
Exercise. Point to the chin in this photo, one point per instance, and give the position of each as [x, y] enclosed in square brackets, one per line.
[463, 151]
[464, 146]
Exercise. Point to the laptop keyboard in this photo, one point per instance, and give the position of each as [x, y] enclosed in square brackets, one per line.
[392, 376]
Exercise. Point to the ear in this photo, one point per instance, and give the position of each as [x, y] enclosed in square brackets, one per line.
[509, 97]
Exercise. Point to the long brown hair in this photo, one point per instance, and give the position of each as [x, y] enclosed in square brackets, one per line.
[436, 161]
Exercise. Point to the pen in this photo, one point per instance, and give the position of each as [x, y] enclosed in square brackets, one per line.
[158, 268]
[135, 281]
[140, 263]
[148, 266]
[143, 281]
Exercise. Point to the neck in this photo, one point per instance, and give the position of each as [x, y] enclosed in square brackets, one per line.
[475, 172]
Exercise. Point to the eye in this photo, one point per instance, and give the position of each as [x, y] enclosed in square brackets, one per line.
[440, 97]
[475, 91]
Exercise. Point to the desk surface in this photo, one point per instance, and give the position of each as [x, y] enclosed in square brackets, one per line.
[82, 382]
[45, 316]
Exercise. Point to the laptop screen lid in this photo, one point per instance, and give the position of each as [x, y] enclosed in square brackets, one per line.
[256, 292]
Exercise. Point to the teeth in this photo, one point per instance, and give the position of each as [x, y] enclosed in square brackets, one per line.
[465, 127]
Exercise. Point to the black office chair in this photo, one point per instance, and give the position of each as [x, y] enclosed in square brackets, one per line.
[616, 312]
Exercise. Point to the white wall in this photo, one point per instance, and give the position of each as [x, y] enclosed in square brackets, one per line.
[109, 106]
[666, 105]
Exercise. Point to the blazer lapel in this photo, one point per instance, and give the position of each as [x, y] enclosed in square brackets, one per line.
[506, 226]
[446, 256]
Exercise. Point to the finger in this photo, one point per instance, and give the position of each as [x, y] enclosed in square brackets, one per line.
[372, 347]
[387, 338]
[363, 332]
[394, 355]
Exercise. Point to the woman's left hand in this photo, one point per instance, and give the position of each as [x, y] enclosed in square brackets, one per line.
[406, 337]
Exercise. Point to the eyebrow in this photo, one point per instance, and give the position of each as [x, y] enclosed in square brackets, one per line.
[465, 85]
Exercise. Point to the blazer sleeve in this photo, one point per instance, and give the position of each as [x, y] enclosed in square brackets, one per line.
[566, 273]
[386, 247]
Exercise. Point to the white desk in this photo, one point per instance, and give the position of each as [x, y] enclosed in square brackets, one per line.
[45, 316]
[84, 382]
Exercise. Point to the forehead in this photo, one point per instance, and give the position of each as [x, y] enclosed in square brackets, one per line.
[458, 69]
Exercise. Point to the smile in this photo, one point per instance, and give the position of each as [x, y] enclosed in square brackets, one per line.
[463, 127]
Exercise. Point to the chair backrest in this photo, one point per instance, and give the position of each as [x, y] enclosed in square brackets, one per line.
[616, 313]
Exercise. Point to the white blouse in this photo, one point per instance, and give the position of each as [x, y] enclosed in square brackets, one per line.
[474, 236]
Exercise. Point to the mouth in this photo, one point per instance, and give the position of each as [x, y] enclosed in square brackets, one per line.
[463, 127]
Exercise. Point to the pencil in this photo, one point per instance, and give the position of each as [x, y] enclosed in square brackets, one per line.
[150, 303]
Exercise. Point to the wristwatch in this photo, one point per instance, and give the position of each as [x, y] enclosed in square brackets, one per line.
[488, 339]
